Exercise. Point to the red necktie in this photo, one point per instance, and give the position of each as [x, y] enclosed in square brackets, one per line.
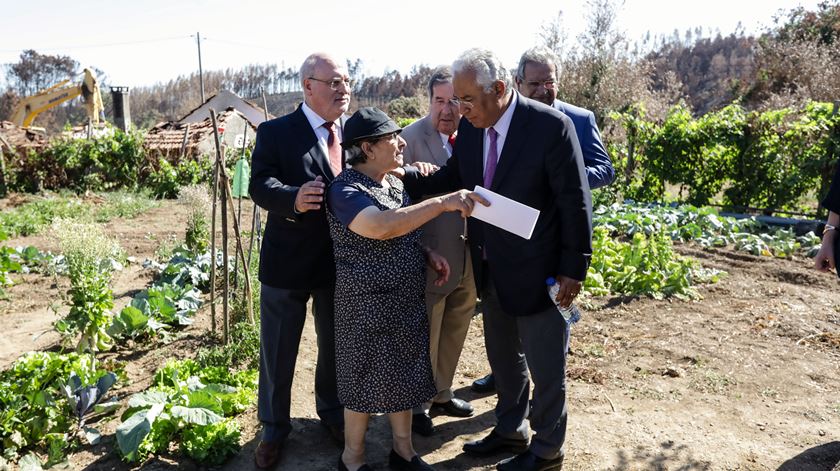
[492, 158]
[451, 140]
[334, 148]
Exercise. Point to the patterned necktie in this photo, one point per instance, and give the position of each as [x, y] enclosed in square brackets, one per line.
[333, 148]
[492, 158]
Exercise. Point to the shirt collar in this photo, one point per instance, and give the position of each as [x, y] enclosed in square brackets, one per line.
[315, 120]
[503, 123]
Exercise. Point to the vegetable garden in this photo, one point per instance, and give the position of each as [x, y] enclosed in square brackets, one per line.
[697, 326]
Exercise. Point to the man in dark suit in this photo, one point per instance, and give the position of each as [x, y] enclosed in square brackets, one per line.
[528, 152]
[450, 307]
[294, 157]
[536, 77]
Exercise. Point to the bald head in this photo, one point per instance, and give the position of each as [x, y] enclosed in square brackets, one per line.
[326, 86]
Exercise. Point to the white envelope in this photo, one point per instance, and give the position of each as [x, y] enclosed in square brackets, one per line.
[506, 213]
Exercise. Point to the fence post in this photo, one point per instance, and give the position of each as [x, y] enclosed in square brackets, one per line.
[3, 188]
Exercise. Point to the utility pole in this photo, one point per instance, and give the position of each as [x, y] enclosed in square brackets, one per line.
[200, 75]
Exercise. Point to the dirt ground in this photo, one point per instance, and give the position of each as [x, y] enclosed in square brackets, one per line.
[748, 378]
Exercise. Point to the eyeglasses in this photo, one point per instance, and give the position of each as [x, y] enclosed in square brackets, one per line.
[386, 137]
[536, 83]
[335, 83]
[451, 102]
[466, 103]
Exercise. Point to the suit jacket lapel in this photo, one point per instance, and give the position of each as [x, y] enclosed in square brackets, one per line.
[514, 141]
[435, 144]
[315, 150]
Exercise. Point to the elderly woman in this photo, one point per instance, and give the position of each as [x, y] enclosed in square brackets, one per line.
[382, 331]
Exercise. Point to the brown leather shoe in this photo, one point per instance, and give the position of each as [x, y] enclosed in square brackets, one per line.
[267, 454]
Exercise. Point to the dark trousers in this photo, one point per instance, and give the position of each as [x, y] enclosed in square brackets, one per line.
[282, 315]
[515, 345]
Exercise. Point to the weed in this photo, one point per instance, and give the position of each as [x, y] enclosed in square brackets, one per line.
[710, 381]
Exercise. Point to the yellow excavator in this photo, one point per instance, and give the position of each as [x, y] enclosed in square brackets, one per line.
[30, 107]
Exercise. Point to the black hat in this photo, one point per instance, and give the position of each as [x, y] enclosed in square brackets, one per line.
[365, 123]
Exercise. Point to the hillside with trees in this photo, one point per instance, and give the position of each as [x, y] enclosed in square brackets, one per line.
[602, 70]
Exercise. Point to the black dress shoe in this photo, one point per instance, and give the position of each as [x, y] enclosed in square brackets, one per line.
[267, 454]
[343, 467]
[398, 463]
[422, 424]
[484, 385]
[530, 462]
[495, 443]
[455, 407]
[336, 431]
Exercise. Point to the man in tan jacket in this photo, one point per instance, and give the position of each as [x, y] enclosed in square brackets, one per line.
[451, 306]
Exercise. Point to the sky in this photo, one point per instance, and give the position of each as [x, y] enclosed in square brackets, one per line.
[144, 42]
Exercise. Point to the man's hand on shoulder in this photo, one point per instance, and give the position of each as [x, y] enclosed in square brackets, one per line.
[425, 168]
[310, 196]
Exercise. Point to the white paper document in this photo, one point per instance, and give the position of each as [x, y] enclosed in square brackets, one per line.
[506, 213]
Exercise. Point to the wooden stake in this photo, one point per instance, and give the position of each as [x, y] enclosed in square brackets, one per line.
[3, 188]
[221, 178]
[213, 231]
[184, 142]
[240, 251]
[239, 211]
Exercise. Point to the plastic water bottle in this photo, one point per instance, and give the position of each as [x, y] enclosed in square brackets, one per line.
[571, 313]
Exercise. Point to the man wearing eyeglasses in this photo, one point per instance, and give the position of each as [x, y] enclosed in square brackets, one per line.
[536, 78]
[528, 152]
[295, 156]
[450, 306]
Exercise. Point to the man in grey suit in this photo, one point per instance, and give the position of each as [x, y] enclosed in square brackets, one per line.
[450, 306]
[536, 78]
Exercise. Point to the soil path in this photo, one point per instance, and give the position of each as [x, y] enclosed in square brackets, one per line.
[748, 378]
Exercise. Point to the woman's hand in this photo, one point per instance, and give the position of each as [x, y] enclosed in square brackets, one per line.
[824, 261]
[438, 263]
[462, 201]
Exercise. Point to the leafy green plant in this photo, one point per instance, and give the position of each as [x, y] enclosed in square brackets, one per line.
[34, 410]
[85, 400]
[187, 268]
[187, 404]
[34, 215]
[242, 350]
[88, 252]
[197, 201]
[165, 180]
[781, 159]
[212, 444]
[107, 161]
[646, 265]
[123, 204]
[705, 227]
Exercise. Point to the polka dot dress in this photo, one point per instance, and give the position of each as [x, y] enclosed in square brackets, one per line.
[381, 328]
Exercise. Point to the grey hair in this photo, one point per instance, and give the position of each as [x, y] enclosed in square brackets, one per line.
[537, 55]
[355, 154]
[441, 75]
[487, 67]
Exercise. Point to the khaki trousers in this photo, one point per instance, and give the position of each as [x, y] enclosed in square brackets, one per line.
[449, 321]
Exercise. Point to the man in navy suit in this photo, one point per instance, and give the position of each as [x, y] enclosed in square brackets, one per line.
[536, 77]
[528, 152]
[295, 156]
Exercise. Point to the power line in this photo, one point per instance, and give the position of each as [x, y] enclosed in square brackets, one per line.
[241, 44]
[92, 46]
